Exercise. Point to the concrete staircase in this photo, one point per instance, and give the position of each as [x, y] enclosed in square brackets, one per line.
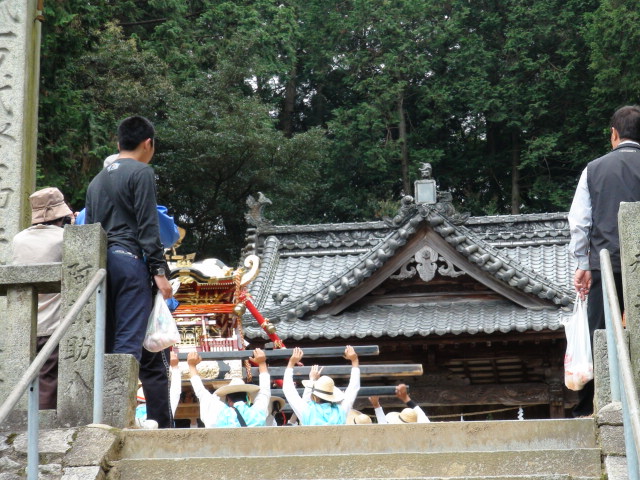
[504, 450]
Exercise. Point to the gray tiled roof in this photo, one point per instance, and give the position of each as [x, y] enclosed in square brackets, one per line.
[307, 266]
[409, 320]
[551, 261]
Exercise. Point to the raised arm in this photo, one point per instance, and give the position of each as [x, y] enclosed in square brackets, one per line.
[261, 401]
[375, 403]
[314, 374]
[403, 395]
[351, 392]
[291, 394]
[210, 403]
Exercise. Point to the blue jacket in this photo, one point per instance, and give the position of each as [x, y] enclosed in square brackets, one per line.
[168, 229]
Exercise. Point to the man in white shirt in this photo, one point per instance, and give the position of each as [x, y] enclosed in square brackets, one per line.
[236, 404]
[42, 243]
[593, 220]
[322, 402]
[413, 413]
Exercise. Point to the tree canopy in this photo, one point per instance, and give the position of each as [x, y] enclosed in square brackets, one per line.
[330, 106]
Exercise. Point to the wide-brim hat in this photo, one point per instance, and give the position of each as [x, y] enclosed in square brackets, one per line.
[279, 400]
[358, 418]
[407, 415]
[47, 205]
[237, 385]
[325, 389]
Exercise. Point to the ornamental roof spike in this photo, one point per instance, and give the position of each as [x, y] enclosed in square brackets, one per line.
[256, 207]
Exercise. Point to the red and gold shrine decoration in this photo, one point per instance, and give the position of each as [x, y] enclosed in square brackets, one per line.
[213, 298]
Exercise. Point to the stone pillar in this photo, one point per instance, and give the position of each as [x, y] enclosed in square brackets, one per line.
[84, 253]
[629, 228]
[120, 385]
[17, 345]
[19, 81]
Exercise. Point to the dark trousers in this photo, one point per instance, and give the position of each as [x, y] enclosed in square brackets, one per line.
[48, 378]
[130, 300]
[154, 376]
[595, 312]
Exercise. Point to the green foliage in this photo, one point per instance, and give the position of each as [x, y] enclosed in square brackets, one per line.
[330, 106]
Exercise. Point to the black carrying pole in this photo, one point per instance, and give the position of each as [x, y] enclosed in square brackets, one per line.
[311, 352]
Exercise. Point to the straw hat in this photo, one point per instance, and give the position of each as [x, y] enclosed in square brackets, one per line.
[47, 205]
[279, 400]
[325, 389]
[237, 385]
[358, 418]
[407, 415]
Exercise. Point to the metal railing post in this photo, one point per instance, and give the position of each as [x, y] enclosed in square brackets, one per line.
[98, 373]
[628, 392]
[614, 375]
[33, 429]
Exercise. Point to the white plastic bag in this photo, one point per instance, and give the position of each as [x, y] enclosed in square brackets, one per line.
[162, 331]
[578, 363]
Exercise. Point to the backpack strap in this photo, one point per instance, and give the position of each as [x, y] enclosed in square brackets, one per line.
[240, 418]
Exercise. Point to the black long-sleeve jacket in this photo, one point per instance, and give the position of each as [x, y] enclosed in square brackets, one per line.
[122, 198]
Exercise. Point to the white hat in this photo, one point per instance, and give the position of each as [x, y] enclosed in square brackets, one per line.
[110, 159]
[407, 415]
[358, 418]
[237, 385]
[324, 388]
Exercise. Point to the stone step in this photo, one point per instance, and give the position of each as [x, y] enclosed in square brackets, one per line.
[577, 462]
[362, 439]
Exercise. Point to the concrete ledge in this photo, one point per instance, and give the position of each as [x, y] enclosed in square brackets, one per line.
[362, 439]
[45, 277]
[580, 462]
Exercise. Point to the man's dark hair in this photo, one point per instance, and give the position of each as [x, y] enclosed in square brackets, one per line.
[134, 130]
[237, 397]
[626, 121]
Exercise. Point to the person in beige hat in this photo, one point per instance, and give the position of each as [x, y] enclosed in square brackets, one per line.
[237, 404]
[326, 404]
[42, 243]
[411, 414]
[356, 417]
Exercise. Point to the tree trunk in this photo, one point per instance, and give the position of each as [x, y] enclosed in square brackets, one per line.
[404, 158]
[286, 119]
[515, 174]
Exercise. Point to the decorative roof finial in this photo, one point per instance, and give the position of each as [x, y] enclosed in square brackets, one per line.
[426, 170]
[254, 215]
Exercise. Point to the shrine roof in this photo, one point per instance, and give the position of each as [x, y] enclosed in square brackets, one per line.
[307, 269]
[410, 320]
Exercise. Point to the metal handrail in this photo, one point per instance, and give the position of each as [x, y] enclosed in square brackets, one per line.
[29, 379]
[622, 383]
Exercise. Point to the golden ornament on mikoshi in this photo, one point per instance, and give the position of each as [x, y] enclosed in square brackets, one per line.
[239, 309]
[269, 327]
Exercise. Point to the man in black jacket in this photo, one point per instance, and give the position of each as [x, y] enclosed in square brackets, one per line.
[122, 197]
[593, 219]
